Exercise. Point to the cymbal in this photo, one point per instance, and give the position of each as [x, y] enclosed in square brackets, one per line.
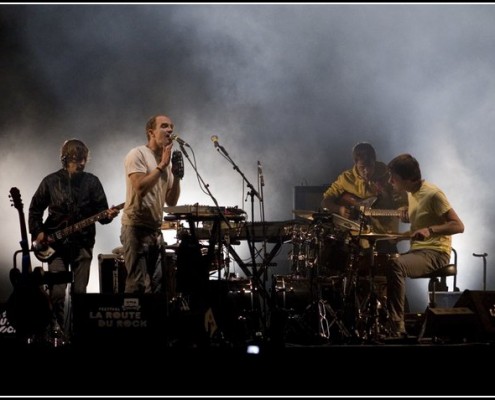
[381, 236]
[342, 222]
[306, 214]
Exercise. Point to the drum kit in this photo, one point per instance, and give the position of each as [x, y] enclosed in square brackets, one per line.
[337, 285]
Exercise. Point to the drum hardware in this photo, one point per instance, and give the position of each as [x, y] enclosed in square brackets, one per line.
[301, 254]
[323, 308]
[372, 326]
[359, 315]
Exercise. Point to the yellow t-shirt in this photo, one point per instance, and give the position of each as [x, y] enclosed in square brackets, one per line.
[427, 207]
[351, 183]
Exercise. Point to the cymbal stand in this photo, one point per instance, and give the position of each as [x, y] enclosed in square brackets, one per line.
[371, 301]
[352, 306]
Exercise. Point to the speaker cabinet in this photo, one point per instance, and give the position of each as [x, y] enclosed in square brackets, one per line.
[482, 303]
[308, 197]
[457, 324]
[112, 273]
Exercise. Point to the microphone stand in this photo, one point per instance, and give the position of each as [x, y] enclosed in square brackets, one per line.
[261, 184]
[217, 224]
[204, 297]
[257, 285]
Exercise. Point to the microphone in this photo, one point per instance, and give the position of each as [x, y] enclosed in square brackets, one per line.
[260, 173]
[173, 136]
[214, 139]
[218, 146]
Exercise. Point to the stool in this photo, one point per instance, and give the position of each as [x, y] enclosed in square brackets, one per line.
[438, 278]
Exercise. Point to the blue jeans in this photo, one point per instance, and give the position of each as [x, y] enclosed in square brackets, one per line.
[79, 260]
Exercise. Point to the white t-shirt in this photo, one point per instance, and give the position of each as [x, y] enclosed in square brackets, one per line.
[148, 210]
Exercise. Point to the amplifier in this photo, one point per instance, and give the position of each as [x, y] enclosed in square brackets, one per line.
[112, 273]
[309, 197]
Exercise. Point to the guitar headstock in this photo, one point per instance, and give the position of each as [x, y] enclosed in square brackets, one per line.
[15, 198]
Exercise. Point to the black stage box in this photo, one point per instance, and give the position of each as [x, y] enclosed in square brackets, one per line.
[456, 325]
[112, 273]
[119, 318]
[482, 303]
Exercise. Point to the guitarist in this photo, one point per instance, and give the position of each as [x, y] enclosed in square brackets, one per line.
[70, 195]
[366, 183]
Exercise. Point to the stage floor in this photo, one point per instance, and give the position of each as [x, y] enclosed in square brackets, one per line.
[129, 349]
[401, 367]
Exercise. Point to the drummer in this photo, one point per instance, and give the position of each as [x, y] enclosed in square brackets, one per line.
[366, 185]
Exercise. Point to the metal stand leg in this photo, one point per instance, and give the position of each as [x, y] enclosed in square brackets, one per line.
[373, 326]
[484, 255]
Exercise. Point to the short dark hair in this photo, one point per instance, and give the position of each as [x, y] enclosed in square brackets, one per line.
[406, 166]
[365, 152]
[73, 148]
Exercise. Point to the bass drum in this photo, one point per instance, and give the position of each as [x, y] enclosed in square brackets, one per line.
[295, 294]
[291, 292]
[333, 256]
[232, 303]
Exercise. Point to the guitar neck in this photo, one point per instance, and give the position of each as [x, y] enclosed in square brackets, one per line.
[80, 225]
[381, 213]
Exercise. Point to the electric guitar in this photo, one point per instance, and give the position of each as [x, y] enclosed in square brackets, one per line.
[43, 251]
[28, 307]
[364, 205]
